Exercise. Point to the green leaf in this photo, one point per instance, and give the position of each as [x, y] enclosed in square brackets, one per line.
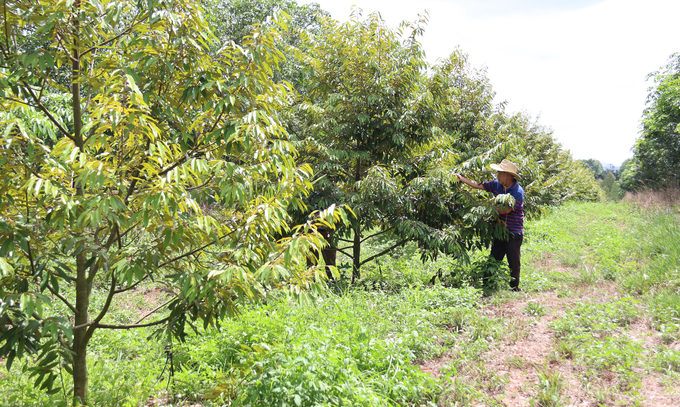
[7, 247]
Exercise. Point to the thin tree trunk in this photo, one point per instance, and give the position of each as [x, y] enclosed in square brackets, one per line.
[356, 253]
[80, 376]
[356, 248]
[80, 337]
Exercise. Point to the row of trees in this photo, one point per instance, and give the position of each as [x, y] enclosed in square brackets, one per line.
[385, 132]
[139, 146]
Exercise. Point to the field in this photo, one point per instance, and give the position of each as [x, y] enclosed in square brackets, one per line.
[597, 323]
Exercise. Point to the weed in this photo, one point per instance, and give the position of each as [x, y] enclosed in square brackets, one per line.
[667, 360]
[564, 293]
[358, 346]
[586, 275]
[536, 280]
[518, 362]
[486, 330]
[516, 330]
[534, 309]
[454, 319]
[461, 393]
[549, 388]
[612, 354]
[571, 258]
[495, 384]
[564, 349]
[438, 297]
[597, 318]
[665, 308]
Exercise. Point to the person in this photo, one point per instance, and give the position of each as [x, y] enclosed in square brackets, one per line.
[506, 183]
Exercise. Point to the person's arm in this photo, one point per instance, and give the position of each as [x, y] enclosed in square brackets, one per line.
[473, 184]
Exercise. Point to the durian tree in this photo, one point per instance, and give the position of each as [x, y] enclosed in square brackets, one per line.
[133, 151]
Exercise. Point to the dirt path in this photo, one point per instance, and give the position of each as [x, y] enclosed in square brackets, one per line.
[509, 371]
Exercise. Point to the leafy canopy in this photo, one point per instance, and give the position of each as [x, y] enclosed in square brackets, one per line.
[656, 160]
[131, 151]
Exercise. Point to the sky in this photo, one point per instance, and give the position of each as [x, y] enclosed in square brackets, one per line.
[579, 66]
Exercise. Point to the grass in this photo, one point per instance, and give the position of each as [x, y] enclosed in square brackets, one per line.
[359, 346]
[534, 309]
[549, 388]
[591, 273]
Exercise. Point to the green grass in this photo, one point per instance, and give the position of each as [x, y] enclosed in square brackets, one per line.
[549, 389]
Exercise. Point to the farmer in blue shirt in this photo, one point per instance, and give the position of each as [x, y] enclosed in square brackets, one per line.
[513, 217]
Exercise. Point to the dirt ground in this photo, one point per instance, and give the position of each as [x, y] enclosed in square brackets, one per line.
[519, 357]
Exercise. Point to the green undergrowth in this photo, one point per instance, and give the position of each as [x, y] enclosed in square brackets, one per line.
[366, 344]
[358, 348]
[593, 335]
[123, 366]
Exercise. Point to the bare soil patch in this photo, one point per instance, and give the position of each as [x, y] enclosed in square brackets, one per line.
[518, 357]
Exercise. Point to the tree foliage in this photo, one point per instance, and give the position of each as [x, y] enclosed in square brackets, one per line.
[161, 160]
[595, 166]
[232, 21]
[366, 103]
[386, 132]
[552, 175]
[656, 160]
[611, 186]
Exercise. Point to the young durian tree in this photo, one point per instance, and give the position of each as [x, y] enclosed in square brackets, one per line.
[363, 106]
[131, 152]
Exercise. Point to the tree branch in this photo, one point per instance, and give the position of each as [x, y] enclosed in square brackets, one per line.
[377, 234]
[156, 309]
[344, 252]
[174, 260]
[202, 185]
[23, 102]
[62, 298]
[195, 251]
[63, 47]
[105, 308]
[111, 39]
[4, 10]
[43, 109]
[384, 251]
[161, 321]
[132, 287]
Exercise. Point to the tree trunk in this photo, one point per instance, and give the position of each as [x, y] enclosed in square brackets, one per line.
[80, 339]
[329, 253]
[80, 336]
[356, 248]
[356, 253]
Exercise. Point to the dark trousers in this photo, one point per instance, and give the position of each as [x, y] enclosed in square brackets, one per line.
[510, 247]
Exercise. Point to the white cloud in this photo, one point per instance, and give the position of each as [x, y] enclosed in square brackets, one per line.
[583, 70]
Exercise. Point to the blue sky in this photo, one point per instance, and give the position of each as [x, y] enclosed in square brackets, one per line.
[578, 65]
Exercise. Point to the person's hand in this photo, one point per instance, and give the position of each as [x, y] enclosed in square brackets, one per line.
[460, 177]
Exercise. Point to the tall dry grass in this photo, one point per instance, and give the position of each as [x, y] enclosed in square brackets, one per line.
[654, 199]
